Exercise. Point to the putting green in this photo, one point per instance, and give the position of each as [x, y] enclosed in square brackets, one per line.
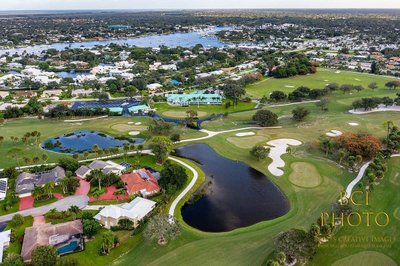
[366, 258]
[396, 213]
[126, 128]
[182, 114]
[304, 175]
[246, 142]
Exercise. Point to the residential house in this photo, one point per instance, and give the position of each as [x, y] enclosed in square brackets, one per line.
[107, 167]
[26, 182]
[65, 237]
[83, 172]
[135, 211]
[141, 181]
[3, 188]
[4, 242]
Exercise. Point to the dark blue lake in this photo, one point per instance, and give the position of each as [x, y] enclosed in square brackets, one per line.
[83, 140]
[235, 196]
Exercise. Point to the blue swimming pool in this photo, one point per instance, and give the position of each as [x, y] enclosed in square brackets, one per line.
[71, 247]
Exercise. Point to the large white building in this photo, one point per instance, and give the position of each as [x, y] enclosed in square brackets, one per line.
[135, 211]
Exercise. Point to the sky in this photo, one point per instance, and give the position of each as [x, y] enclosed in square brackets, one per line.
[190, 4]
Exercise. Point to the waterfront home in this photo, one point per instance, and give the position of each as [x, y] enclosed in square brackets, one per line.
[135, 211]
[142, 182]
[65, 237]
[4, 242]
[83, 172]
[26, 182]
[107, 167]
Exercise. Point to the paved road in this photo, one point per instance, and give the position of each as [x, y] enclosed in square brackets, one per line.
[61, 205]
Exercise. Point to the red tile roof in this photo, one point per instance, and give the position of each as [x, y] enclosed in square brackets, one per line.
[135, 183]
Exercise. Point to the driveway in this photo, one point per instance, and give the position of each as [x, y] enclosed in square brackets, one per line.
[60, 205]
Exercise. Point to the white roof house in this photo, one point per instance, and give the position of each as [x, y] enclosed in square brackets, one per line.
[3, 188]
[135, 211]
[4, 242]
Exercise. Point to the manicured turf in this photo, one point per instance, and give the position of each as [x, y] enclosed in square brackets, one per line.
[182, 114]
[366, 258]
[253, 245]
[304, 175]
[15, 247]
[203, 110]
[385, 240]
[314, 81]
[246, 142]
[127, 128]
[52, 127]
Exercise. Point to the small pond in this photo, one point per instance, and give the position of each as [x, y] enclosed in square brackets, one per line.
[83, 140]
[235, 195]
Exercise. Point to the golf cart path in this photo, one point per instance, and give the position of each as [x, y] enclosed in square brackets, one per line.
[186, 190]
[350, 187]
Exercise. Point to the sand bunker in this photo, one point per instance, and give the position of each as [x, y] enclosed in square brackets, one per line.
[242, 134]
[130, 123]
[337, 72]
[138, 123]
[334, 133]
[134, 133]
[289, 86]
[354, 124]
[357, 79]
[278, 148]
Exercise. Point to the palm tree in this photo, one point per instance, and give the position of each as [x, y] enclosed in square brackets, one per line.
[64, 184]
[74, 209]
[48, 187]
[388, 124]
[45, 158]
[98, 176]
[342, 154]
[95, 147]
[37, 192]
[15, 153]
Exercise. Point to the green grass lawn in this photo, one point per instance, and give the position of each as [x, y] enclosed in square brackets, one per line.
[204, 110]
[253, 245]
[314, 81]
[90, 256]
[15, 247]
[381, 243]
[114, 126]
[42, 202]
[107, 202]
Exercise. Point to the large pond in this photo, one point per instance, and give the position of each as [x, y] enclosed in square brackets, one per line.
[83, 140]
[189, 39]
[236, 195]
